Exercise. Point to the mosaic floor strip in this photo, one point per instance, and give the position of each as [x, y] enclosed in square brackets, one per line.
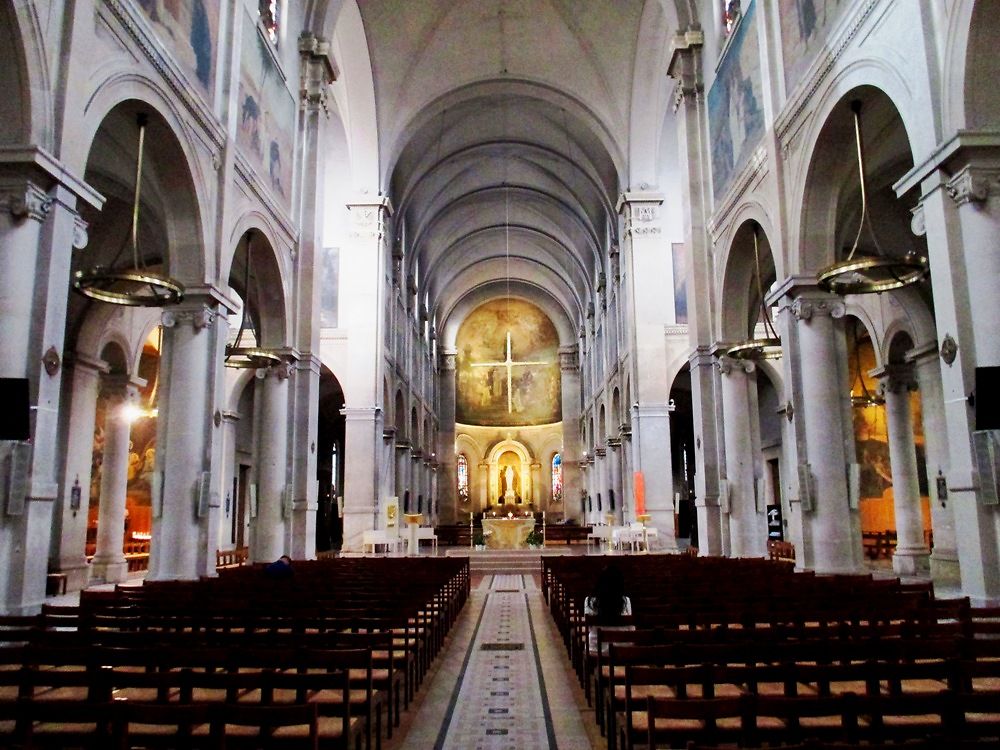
[504, 682]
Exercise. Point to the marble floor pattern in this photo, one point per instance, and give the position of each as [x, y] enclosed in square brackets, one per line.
[503, 681]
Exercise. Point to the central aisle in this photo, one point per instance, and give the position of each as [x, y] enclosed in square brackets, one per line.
[503, 681]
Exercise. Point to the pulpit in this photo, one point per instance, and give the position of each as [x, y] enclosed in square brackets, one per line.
[507, 533]
[412, 524]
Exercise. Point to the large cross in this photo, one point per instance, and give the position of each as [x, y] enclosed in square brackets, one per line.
[510, 364]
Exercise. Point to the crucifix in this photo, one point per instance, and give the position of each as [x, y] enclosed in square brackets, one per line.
[510, 364]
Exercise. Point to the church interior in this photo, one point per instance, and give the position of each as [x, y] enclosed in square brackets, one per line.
[353, 351]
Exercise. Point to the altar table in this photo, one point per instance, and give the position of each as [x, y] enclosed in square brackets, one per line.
[507, 533]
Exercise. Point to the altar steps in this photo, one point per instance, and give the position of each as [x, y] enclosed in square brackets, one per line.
[505, 562]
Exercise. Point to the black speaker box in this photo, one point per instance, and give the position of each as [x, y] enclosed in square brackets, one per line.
[987, 398]
[14, 409]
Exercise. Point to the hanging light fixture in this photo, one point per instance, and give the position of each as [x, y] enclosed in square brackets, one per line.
[865, 398]
[868, 274]
[768, 347]
[136, 286]
[248, 357]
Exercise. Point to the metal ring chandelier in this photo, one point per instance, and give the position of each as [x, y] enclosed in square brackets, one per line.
[870, 274]
[248, 357]
[136, 286]
[769, 347]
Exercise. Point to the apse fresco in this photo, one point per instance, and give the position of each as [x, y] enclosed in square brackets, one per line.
[188, 30]
[735, 111]
[266, 122]
[495, 389]
[804, 26]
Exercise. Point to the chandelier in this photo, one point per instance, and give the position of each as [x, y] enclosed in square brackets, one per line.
[248, 357]
[867, 274]
[136, 286]
[768, 347]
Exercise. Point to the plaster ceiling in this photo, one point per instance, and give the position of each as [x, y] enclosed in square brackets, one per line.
[503, 126]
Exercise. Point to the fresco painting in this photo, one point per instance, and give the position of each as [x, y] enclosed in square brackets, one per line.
[482, 377]
[189, 31]
[804, 25]
[266, 123]
[735, 112]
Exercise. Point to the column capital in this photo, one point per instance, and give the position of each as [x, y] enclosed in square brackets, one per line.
[360, 413]
[317, 72]
[641, 211]
[895, 378]
[569, 360]
[368, 215]
[81, 361]
[973, 184]
[925, 354]
[23, 200]
[34, 165]
[446, 359]
[124, 387]
[728, 365]
[600, 452]
[685, 66]
[816, 306]
[614, 443]
[199, 315]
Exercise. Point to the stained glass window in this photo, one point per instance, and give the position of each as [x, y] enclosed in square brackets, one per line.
[270, 18]
[463, 478]
[557, 478]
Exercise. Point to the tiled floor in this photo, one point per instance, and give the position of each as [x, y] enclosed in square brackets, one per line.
[503, 681]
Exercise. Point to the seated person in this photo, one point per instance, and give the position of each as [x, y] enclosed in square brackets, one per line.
[608, 605]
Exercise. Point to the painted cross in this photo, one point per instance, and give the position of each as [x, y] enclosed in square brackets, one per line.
[510, 364]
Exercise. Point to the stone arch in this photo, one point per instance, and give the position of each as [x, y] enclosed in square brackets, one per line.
[825, 183]
[172, 195]
[969, 58]
[740, 301]
[267, 297]
[399, 416]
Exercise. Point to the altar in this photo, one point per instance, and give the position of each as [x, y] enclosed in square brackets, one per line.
[507, 533]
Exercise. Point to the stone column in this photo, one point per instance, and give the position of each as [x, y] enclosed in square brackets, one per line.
[647, 266]
[944, 555]
[447, 473]
[269, 538]
[417, 495]
[747, 527]
[39, 228]
[303, 434]
[187, 459]
[109, 564]
[71, 559]
[686, 67]
[402, 456]
[831, 537]
[536, 485]
[912, 556]
[614, 460]
[484, 475]
[363, 261]
[224, 537]
[573, 484]
[961, 215]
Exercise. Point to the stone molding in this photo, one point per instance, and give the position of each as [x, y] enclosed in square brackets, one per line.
[685, 67]
[200, 317]
[23, 199]
[600, 452]
[807, 308]
[641, 211]
[317, 72]
[927, 353]
[972, 184]
[569, 361]
[368, 217]
[895, 378]
[918, 222]
[729, 365]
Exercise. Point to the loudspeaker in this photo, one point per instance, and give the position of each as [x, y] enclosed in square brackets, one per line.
[14, 409]
[987, 398]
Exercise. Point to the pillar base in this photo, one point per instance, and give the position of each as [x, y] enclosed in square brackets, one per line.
[108, 571]
[945, 569]
[911, 562]
[77, 574]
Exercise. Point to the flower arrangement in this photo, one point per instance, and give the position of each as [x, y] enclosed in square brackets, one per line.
[534, 539]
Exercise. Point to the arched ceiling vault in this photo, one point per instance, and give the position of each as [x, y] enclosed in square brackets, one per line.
[503, 129]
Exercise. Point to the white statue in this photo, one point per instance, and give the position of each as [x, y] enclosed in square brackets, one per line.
[508, 477]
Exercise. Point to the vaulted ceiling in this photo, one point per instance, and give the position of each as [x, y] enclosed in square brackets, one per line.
[503, 135]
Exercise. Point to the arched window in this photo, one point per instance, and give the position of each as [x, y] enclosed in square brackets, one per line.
[557, 478]
[463, 478]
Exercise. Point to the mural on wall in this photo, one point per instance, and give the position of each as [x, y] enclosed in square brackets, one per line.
[735, 112]
[681, 264]
[804, 24]
[507, 366]
[266, 126]
[141, 452]
[188, 30]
